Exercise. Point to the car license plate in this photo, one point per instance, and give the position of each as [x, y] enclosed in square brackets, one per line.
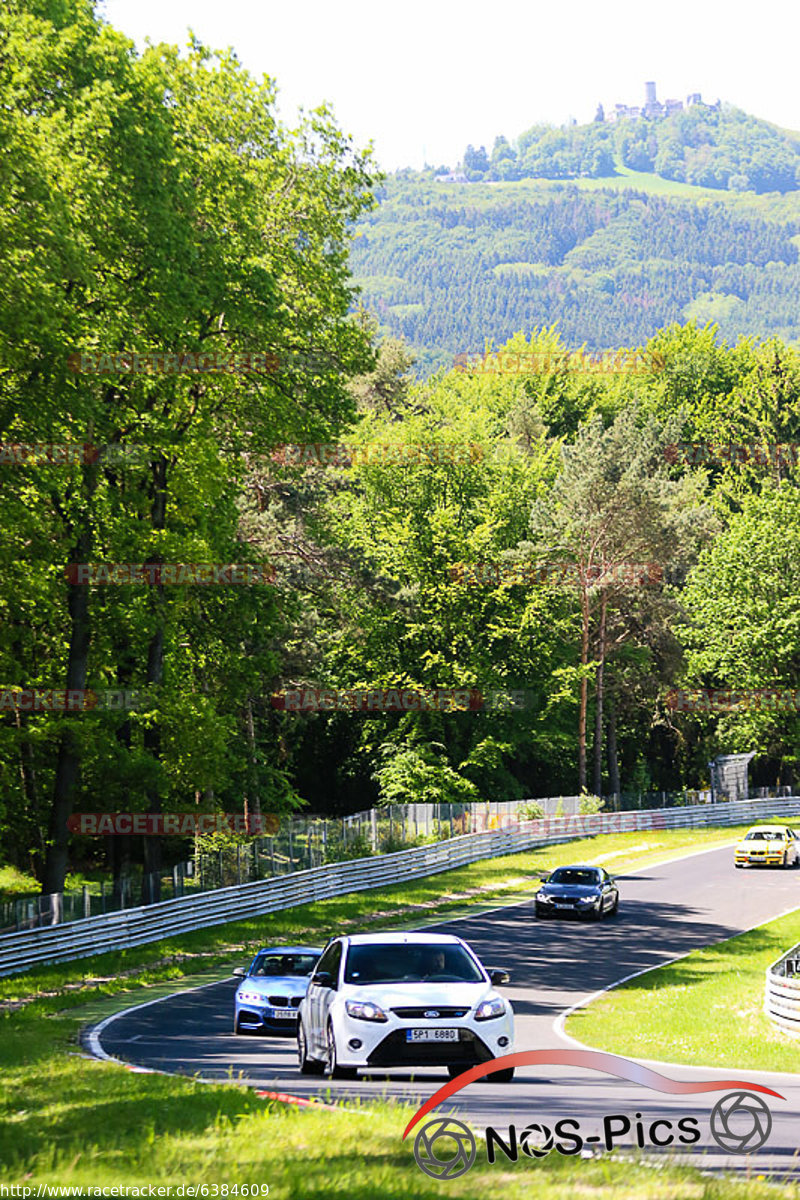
[281, 1014]
[564, 905]
[431, 1035]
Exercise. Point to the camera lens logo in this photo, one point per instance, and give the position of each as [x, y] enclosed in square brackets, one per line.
[444, 1149]
[740, 1122]
[536, 1141]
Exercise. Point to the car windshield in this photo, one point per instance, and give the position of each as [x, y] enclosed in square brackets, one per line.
[586, 878]
[283, 964]
[764, 835]
[411, 964]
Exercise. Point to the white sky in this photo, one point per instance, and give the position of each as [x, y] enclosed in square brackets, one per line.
[422, 78]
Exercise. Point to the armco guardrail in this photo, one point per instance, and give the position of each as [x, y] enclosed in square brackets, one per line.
[782, 992]
[134, 926]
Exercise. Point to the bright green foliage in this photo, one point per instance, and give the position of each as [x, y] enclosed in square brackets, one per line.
[743, 629]
[153, 204]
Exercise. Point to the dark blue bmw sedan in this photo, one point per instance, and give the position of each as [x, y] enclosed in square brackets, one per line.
[581, 890]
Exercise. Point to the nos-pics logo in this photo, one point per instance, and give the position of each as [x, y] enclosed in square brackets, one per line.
[445, 1148]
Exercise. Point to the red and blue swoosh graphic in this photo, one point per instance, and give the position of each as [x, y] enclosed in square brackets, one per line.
[592, 1060]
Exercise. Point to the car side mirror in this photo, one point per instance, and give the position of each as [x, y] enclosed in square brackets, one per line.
[497, 976]
[323, 979]
[239, 971]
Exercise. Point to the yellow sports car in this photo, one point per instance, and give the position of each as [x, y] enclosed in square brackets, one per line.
[770, 845]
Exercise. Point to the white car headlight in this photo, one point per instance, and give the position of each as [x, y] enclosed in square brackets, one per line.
[364, 1010]
[588, 899]
[543, 897]
[489, 1009]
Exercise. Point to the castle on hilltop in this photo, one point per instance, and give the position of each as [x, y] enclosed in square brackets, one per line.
[652, 109]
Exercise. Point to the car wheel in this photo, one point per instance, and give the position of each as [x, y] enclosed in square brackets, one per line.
[456, 1069]
[785, 861]
[504, 1076]
[332, 1068]
[738, 866]
[541, 913]
[612, 912]
[236, 1026]
[308, 1066]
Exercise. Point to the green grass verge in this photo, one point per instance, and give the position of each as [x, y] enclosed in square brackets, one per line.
[92, 1124]
[17, 885]
[68, 1120]
[705, 1009]
[14, 883]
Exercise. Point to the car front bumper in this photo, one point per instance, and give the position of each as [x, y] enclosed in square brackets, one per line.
[384, 1044]
[760, 860]
[568, 908]
[255, 1020]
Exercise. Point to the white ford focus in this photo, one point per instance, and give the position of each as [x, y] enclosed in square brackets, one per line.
[403, 1000]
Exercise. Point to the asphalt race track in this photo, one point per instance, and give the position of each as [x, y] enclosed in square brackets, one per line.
[665, 911]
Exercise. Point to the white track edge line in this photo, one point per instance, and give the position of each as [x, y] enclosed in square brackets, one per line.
[559, 1022]
[92, 1034]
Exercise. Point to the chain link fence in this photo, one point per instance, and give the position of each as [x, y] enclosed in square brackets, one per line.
[303, 843]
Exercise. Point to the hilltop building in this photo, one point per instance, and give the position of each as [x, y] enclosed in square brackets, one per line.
[653, 109]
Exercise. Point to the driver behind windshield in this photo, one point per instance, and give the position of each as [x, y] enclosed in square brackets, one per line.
[433, 964]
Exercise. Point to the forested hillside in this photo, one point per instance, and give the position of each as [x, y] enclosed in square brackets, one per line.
[707, 145]
[451, 267]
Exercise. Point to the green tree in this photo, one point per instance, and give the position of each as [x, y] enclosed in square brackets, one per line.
[222, 232]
